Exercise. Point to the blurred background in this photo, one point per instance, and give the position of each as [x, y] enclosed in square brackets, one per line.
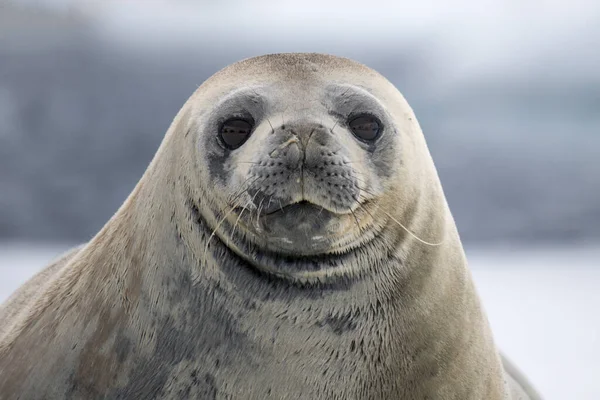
[507, 93]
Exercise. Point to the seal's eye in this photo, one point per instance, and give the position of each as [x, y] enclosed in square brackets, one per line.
[234, 132]
[364, 127]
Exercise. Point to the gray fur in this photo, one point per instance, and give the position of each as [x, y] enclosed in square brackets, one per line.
[183, 295]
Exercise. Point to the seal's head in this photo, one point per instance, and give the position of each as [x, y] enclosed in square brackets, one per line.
[300, 157]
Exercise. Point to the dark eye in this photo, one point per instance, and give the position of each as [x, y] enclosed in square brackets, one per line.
[365, 127]
[234, 132]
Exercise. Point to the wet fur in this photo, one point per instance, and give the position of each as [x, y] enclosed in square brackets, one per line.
[143, 311]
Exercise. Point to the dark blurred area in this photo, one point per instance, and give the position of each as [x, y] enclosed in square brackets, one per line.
[86, 96]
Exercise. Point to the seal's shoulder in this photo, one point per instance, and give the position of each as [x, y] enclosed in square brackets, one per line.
[29, 291]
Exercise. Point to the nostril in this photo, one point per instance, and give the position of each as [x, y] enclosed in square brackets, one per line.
[294, 157]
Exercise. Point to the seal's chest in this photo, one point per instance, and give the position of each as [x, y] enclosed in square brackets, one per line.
[325, 374]
[311, 364]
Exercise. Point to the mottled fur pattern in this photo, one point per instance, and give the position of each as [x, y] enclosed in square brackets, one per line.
[176, 298]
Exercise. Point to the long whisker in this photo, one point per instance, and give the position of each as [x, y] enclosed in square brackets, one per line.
[232, 208]
[320, 211]
[214, 232]
[357, 223]
[389, 216]
[247, 162]
[267, 118]
[401, 225]
[239, 217]
[271, 125]
[258, 210]
[269, 203]
[334, 125]
[242, 190]
[410, 233]
[361, 181]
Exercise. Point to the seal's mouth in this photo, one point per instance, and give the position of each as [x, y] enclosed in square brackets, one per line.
[303, 228]
[302, 207]
[299, 228]
[297, 260]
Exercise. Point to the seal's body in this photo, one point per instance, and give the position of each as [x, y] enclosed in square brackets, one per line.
[290, 239]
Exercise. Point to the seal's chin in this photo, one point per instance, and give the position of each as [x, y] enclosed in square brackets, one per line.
[301, 243]
[301, 228]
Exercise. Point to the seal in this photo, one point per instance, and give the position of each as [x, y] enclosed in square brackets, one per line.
[289, 240]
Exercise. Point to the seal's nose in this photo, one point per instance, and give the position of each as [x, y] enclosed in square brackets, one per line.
[302, 164]
[291, 152]
[302, 135]
[303, 130]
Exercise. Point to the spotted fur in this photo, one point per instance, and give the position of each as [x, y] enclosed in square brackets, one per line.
[183, 295]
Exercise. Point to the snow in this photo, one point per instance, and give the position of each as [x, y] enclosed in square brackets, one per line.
[543, 307]
[542, 304]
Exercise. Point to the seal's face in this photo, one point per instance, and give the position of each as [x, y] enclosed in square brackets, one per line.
[297, 165]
